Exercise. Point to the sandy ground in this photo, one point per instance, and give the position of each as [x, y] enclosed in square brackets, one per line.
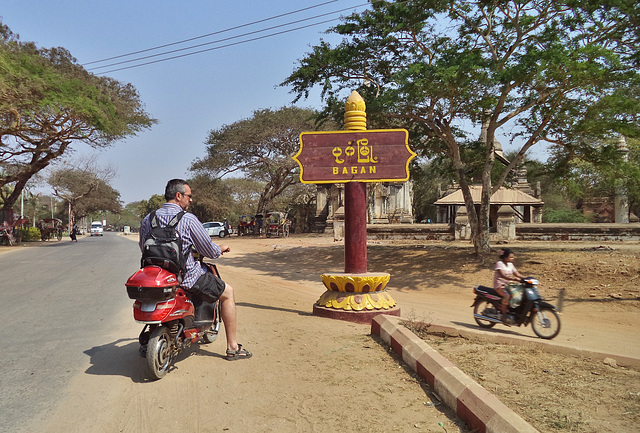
[319, 375]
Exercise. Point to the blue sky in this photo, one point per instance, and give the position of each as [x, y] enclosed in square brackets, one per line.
[191, 95]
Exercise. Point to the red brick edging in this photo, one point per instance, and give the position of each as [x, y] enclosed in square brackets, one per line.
[480, 409]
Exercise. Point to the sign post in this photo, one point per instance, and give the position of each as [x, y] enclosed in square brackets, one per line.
[354, 157]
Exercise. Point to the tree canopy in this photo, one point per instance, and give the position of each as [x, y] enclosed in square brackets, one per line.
[560, 72]
[47, 102]
[86, 189]
[211, 198]
[145, 207]
[593, 172]
[259, 148]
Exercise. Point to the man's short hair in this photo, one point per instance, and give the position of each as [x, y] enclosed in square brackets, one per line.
[174, 186]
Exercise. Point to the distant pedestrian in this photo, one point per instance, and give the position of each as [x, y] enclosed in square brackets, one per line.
[74, 232]
[226, 227]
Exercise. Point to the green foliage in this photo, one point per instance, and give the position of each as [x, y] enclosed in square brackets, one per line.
[588, 171]
[429, 177]
[130, 216]
[147, 206]
[211, 198]
[245, 196]
[126, 216]
[30, 234]
[260, 148]
[85, 191]
[530, 71]
[564, 216]
[48, 102]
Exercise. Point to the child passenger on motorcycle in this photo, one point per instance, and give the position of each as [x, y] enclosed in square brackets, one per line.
[504, 275]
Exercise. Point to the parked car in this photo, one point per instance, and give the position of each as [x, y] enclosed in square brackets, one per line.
[216, 228]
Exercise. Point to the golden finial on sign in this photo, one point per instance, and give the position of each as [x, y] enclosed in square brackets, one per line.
[355, 116]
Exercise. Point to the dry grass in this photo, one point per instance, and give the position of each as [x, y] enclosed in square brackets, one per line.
[553, 392]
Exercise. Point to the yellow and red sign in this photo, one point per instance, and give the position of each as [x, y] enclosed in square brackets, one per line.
[377, 155]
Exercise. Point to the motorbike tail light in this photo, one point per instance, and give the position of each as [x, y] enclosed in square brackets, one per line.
[163, 305]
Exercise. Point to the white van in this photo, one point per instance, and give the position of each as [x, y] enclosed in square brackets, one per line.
[96, 228]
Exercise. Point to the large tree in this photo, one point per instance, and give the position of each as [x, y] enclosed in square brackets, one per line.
[245, 195]
[47, 102]
[86, 188]
[211, 198]
[145, 207]
[259, 148]
[531, 71]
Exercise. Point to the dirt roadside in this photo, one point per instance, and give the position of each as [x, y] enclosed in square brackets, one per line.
[319, 375]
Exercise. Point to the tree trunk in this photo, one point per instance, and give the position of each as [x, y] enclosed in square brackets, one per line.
[478, 220]
[15, 194]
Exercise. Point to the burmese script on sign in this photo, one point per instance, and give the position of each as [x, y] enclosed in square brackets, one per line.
[348, 156]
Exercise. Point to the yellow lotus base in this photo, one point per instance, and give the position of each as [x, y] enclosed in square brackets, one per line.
[356, 292]
[355, 283]
[356, 301]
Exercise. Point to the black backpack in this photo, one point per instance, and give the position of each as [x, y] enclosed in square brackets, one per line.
[163, 246]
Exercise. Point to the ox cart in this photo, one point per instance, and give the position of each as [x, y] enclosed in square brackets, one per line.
[277, 224]
[50, 228]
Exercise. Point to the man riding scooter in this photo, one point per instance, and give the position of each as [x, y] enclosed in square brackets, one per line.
[199, 283]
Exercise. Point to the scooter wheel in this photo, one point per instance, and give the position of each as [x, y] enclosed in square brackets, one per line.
[479, 309]
[159, 353]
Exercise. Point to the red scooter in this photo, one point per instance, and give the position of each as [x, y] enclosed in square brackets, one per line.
[169, 319]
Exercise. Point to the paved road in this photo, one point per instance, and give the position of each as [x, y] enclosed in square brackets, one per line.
[60, 300]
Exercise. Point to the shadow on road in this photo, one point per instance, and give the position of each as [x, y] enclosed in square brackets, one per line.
[496, 330]
[120, 358]
[406, 263]
[266, 307]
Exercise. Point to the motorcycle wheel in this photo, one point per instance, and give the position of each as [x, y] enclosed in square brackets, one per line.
[479, 307]
[159, 352]
[546, 323]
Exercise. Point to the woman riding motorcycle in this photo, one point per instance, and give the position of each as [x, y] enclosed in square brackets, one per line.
[505, 275]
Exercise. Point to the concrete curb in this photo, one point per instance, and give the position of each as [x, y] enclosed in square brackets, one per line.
[480, 409]
[546, 345]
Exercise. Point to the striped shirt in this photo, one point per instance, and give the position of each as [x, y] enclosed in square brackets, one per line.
[192, 233]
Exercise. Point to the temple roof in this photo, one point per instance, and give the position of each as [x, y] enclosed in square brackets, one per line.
[502, 196]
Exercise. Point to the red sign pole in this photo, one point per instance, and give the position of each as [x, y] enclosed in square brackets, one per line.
[353, 157]
[355, 228]
[355, 198]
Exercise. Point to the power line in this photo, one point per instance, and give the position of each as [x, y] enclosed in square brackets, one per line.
[211, 34]
[216, 41]
[219, 47]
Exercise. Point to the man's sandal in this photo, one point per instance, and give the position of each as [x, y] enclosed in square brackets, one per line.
[241, 353]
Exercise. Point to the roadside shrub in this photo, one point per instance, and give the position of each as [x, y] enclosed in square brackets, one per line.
[30, 234]
[564, 216]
